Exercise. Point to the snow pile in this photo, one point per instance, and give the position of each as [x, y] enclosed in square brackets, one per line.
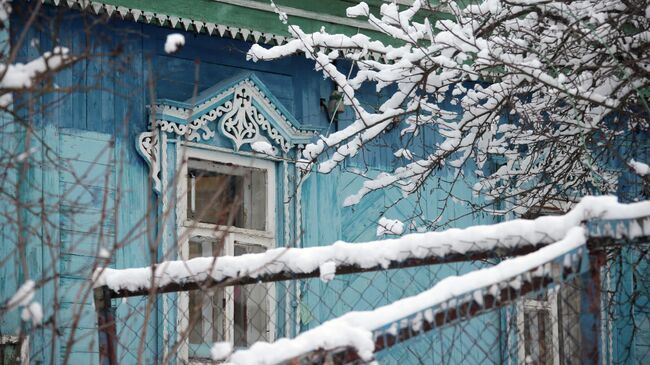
[281, 15]
[23, 297]
[389, 226]
[360, 9]
[355, 329]
[104, 253]
[221, 350]
[639, 168]
[330, 335]
[327, 271]
[264, 147]
[5, 10]
[34, 312]
[543, 230]
[21, 76]
[174, 42]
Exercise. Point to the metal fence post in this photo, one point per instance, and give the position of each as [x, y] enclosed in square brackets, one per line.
[105, 326]
[590, 322]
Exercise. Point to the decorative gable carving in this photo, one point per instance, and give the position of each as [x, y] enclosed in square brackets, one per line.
[242, 110]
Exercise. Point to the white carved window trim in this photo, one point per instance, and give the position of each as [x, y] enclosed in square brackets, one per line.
[187, 229]
[24, 346]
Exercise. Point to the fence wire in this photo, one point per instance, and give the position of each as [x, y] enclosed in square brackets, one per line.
[596, 312]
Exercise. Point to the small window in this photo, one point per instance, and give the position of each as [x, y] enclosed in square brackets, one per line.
[226, 194]
[236, 314]
[251, 306]
[228, 202]
[206, 308]
[13, 351]
[539, 323]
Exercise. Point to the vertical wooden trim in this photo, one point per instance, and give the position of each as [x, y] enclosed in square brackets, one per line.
[165, 240]
[183, 298]
[298, 244]
[286, 219]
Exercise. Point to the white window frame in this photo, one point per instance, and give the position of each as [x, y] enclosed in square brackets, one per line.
[550, 305]
[188, 229]
[24, 346]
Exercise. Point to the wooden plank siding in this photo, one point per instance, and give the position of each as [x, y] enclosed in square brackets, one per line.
[103, 194]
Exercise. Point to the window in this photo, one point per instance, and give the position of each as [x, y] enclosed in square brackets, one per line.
[226, 195]
[538, 330]
[13, 350]
[549, 323]
[227, 207]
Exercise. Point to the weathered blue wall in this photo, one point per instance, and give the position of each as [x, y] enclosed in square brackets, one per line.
[99, 196]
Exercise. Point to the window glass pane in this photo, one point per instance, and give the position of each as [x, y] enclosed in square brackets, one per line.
[10, 353]
[226, 194]
[208, 316]
[538, 336]
[206, 307]
[569, 303]
[251, 317]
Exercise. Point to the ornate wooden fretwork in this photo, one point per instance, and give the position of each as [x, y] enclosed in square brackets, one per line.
[242, 112]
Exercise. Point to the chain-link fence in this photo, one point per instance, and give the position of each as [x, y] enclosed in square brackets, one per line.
[590, 305]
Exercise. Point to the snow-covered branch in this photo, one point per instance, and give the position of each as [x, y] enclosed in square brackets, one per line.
[544, 88]
[19, 76]
[640, 168]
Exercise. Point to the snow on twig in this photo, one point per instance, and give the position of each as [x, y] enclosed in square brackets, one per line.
[639, 168]
[534, 84]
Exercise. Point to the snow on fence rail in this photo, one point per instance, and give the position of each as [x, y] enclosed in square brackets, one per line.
[597, 222]
[358, 335]
[457, 298]
[510, 238]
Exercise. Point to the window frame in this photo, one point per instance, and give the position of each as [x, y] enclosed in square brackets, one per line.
[549, 304]
[188, 229]
[23, 346]
[184, 223]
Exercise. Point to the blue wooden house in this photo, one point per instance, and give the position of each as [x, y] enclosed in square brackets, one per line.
[126, 152]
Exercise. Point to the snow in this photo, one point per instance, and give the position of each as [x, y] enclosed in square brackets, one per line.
[104, 253]
[23, 156]
[281, 14]
[264, 147]
[174, 42]
[639, 168]
[5, 10]
[543, 230]
[389, 226]
[404, 153]
[21, 76]
[221, 350]
[360, 9]
[355, 329]
[327, 271]
[33, 312]
[496, 40]
[23, 295]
